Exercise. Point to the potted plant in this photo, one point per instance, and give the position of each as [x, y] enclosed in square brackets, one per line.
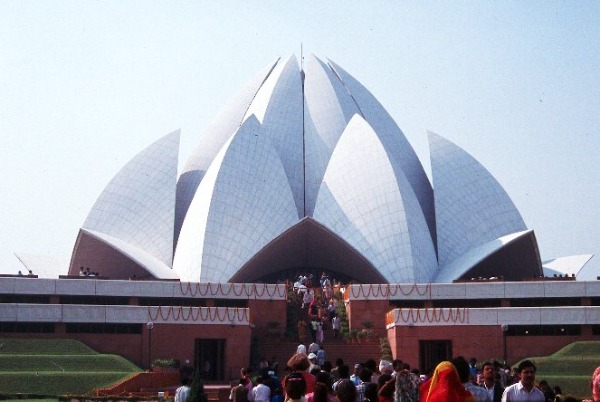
[165, 365]
[354, 335]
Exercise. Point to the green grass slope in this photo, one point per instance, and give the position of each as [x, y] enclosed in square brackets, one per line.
[57, 367]
[570, 368]
[44, 346]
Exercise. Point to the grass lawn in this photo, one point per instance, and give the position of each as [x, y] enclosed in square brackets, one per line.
[57, 367]
[570, 368]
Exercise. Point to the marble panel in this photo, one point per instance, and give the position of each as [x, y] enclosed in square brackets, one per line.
[562, 315]
[592, 288]
[448, 291]
[483, 316]
[524, 290]
[8, 311]
[76, 287]
[39, 313]
[35, 286]
[118, 288]
[519, 315]
[83, 313]
[592, 315]
[157, 289]
[485, 290]
[127, 314]
[564, 288]
[7, 285]
[409, 291]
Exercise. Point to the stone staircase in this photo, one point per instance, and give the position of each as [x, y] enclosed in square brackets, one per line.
[350, 351]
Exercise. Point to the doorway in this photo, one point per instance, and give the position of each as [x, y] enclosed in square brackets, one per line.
[209, 358]
[433, 352]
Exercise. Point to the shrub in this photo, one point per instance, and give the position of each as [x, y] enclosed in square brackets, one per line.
[166, 363]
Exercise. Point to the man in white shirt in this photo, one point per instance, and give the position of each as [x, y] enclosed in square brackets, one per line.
[182, 392]
[491, 384]
[336, 324]
[525, 389]
[261, 393]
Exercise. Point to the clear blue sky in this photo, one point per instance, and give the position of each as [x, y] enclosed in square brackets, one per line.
[86, 85]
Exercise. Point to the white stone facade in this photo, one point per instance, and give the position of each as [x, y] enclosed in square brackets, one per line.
[295, 144]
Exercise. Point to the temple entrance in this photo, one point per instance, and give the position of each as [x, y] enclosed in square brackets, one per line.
[433, 352]
[210, 359]
[307, 247]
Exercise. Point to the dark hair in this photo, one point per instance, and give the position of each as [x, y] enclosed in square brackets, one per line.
[487, 363]
[339, 361]
[322, 386]
[397, 364]
[327, 366]
[295, 385]
[344, 371]
[315, 370]
[371, 365]
[525, 364]
[462, 367]
[365, 374]
[346, 391]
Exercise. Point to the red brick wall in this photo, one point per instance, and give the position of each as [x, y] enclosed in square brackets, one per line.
[360, 311]
[142, 381]
[263, 311]
[177, 342]
[481, 342]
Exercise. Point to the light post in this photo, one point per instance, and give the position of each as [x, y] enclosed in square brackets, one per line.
[150, 326]
[504, 328]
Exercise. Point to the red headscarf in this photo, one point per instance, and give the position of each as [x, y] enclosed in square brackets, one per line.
[445, 386]
[596, 385]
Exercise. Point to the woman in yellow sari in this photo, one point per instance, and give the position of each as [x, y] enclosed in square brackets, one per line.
[445, 386]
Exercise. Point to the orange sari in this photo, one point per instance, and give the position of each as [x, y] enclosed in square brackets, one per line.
[445, 386]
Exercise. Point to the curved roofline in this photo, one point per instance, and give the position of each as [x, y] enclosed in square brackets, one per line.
[567, 265]
[146, 261]
[305, 240]
[463, 264]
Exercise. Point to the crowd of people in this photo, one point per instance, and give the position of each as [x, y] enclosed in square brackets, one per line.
[87, 272]
[310, 377]
[319, 306]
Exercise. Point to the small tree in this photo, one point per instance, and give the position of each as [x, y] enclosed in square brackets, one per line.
[385, 349]
[341, 312]
[197, 389]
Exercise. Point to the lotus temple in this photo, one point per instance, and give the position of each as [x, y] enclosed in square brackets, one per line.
[304, 171]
